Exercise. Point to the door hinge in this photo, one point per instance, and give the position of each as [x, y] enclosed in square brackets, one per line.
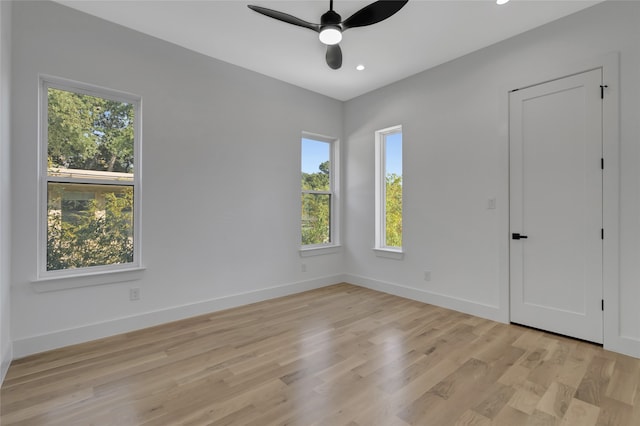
[602, 163]
[602, 304]
[602, 233]
[602, 87]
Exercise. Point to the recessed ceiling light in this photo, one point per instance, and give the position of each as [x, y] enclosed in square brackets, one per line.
[502, 1]
[360, 67]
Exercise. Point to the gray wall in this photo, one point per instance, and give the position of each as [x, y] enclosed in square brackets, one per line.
[455, 120]
[221, 179]
[221, 174]
[5, 188]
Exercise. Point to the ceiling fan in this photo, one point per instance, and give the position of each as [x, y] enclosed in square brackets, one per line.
[332, 26]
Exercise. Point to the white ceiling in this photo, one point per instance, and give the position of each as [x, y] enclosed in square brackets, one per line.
[425, 33]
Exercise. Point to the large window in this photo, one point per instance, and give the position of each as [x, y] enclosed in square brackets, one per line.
[318, 201]
[90, 180]
[389, 189]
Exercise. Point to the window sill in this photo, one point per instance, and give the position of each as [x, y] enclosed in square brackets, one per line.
[89, 279]
[389, 253]
[319, 250]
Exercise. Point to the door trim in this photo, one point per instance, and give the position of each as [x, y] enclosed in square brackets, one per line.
[559, 292]
[612, 336]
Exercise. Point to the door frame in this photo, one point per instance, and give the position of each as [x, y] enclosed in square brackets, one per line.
[576, 163]
[609, 63]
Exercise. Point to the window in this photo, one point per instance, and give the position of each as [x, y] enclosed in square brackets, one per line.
[319, 198]
[89, 180]
[389, 189]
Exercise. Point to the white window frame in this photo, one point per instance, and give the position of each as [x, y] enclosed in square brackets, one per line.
[334, 185]
[381, 248]
[43, 275]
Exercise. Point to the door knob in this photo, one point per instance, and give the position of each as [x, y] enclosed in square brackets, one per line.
[516, 236]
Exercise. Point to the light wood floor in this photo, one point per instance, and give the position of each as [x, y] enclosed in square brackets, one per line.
[340, 355]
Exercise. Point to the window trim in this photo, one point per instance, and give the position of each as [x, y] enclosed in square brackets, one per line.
[334, 193]
[42, 274]
[381, 248]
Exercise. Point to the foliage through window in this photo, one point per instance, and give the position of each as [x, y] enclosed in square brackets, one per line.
[389, 188]
[90, 139]
[317, 192]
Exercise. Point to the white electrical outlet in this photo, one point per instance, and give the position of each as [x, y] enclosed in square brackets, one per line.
[491, 204]
[427, 275]
[134, 294]
[303, 267]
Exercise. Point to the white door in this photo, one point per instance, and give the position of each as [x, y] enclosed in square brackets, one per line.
[555, 138]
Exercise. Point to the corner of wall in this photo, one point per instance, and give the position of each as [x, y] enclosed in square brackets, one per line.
[6, 345]
[490, 312]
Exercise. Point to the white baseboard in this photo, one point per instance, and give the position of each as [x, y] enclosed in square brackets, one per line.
[7, 357]
[32, 345]
[461, 305]
[623, 344]
[35, 344]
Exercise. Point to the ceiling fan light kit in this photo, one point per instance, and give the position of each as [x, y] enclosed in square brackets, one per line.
[330, 35]
[331, 26]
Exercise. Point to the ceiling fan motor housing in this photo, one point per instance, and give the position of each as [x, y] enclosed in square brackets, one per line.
[330, 18]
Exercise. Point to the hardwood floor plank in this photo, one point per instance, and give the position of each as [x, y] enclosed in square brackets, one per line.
[509, 416]
[624, 380]
[498, 395]
[556, 399]
[595, 381]
[514, 375]
[539, 418]
[524, 400]
[614, 412]
[581, 413]
[472, 418]
[548, 370]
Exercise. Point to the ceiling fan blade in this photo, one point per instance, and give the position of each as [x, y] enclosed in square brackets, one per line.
[285, 17]
[373, 13]
[334, 56]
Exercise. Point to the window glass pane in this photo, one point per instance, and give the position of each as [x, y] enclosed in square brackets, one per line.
[89, 134]
[316, 219]
[88, 225]
[393, 190]
[316, 165]
[75, 205]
